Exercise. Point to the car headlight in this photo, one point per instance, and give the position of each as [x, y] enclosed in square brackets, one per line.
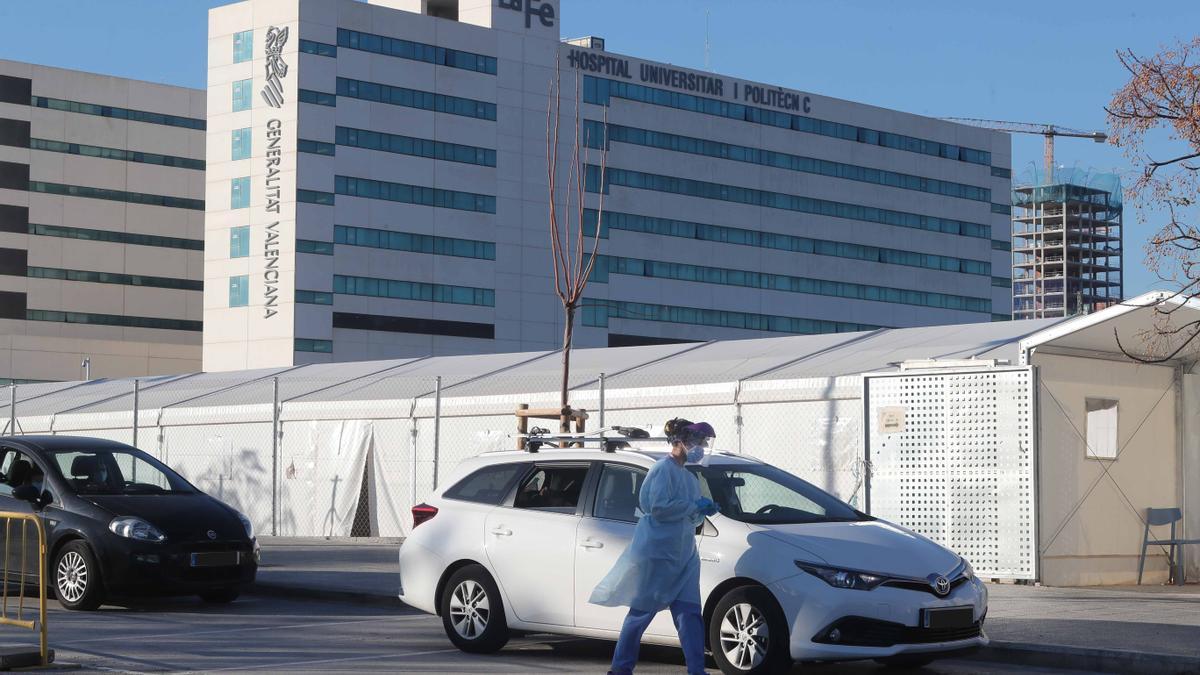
[246, 524]
[839, 578]
[135, 528]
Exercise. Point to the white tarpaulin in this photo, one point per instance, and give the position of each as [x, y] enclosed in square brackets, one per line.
[321, 473]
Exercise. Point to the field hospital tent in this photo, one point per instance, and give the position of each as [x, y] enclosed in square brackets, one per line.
[1032, 447]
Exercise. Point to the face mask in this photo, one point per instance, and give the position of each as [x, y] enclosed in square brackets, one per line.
[696, 453]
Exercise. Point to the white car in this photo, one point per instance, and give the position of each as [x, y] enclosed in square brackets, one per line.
[518, 540]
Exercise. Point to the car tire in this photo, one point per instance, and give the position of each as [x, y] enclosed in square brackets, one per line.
[907, 661]
[748, 634]
[472, 611]
[76, 577]
[220, 596]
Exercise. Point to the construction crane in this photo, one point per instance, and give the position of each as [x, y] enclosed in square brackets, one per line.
[1048, 131]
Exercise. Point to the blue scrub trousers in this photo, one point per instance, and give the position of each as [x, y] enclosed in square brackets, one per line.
[688, 623]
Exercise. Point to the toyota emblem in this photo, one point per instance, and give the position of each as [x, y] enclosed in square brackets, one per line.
[941, 585]
[213, 535]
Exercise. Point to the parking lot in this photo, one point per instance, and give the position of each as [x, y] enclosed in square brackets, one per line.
[274, 635]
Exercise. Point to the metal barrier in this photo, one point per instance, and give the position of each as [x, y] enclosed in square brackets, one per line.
[38, 624]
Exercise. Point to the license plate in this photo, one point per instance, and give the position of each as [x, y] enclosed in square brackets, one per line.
[948, 617]
[217, 559]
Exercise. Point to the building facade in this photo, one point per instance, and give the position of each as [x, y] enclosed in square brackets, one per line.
[101, 225]
[377, 187]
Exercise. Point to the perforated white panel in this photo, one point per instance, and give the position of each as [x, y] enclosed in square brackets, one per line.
[952, 457]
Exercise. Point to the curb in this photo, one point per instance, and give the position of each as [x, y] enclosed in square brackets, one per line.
[353, 597]
[1084, 658]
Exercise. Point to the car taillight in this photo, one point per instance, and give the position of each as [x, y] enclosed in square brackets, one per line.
[422, 513]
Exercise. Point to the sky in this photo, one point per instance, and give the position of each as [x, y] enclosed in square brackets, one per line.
[1051, 61]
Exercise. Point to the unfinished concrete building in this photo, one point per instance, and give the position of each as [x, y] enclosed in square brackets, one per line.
[1067, 253]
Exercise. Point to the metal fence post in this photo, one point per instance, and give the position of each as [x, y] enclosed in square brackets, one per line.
[601, 403]
[12, 409]
[437, 427]
[274, 456]
[137, 386]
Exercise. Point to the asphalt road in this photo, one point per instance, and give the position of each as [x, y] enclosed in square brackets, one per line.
[276, 635]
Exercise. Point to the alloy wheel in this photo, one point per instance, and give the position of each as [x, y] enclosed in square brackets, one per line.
[744, 636]
[469, 609]
[72, 576]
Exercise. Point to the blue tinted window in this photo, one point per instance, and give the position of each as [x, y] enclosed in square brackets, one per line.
[112, 320]
[243, 46]
[314, 197]
[239, 242]
[241, 144]
[778, 200]
[314, 297]
[413, 290]
[116, 153]
[242, 98]
[317, 247]
[117, 195]
[416, 51]
[114, 278]
[318, 48]
[318, 346]
[130, 238]
[597, 313]
[417, 147]
[317, 97]
[239, 197]
[413, 98]
[118, 113]
[415, 243]
[239, 291]
[316, 147]
[414, 194]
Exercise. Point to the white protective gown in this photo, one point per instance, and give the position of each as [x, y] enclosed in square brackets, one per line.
[661, 564]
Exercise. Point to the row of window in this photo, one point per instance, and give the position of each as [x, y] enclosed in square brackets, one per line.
[598, 90]
[606, 265]
[414, 194]
[999, 245]
[311, 246]
[316, 147]
[317, 97]
[239, 193]
[239, 242]
[416, 51]
[314, 297]
[239, 290]
[315, 197]
[116, 195]
[118, 113]
[116, 153]
[413, 290]
[598, 312]
[784, 242]
[778, 200]
[114, 278]
[412, 242]
[1002, 317]
[112, 320]
[318, 48]
[132, 238]
[414, 98]
[594, 135]
[310, 345]
[1002, 282]
[1004, 209]
[417, 147]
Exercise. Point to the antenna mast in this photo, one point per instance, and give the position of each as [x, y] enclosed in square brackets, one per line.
[707, 65]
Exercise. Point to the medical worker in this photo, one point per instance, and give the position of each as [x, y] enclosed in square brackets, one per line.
[661, 567]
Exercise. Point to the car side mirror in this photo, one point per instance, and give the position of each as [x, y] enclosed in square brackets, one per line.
[26, 493]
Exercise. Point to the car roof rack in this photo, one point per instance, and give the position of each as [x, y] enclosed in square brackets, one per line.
[608, 439]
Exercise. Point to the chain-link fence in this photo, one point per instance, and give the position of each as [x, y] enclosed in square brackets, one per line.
[348, 449]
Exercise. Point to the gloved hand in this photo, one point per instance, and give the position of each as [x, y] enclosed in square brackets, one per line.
[706, 506]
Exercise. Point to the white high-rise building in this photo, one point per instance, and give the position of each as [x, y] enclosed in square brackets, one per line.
[376, 188]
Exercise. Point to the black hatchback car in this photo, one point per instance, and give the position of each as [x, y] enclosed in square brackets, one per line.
[121, 523]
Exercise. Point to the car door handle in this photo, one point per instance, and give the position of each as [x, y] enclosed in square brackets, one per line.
[591, 543]
[502, 532]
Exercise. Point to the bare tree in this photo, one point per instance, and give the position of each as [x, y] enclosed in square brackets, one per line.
[573, 261]
[1161, 103]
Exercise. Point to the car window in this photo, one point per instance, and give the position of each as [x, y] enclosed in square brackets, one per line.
[117, 472]
[552, 488]
[617, 494]
[488, 485]
[765, 495]
[17, 469]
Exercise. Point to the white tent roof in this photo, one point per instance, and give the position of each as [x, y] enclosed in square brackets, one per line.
[777, 358]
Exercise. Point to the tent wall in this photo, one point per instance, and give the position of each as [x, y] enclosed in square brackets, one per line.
[1092, 511]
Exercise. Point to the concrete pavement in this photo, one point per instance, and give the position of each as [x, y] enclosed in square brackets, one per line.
[1109, 629]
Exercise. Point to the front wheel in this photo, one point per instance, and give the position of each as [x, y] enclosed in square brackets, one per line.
[77, 577]
[472, 612]
[748, 633]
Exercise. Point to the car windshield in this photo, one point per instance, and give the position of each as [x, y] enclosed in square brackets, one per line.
[765, 495]
[117, 472]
